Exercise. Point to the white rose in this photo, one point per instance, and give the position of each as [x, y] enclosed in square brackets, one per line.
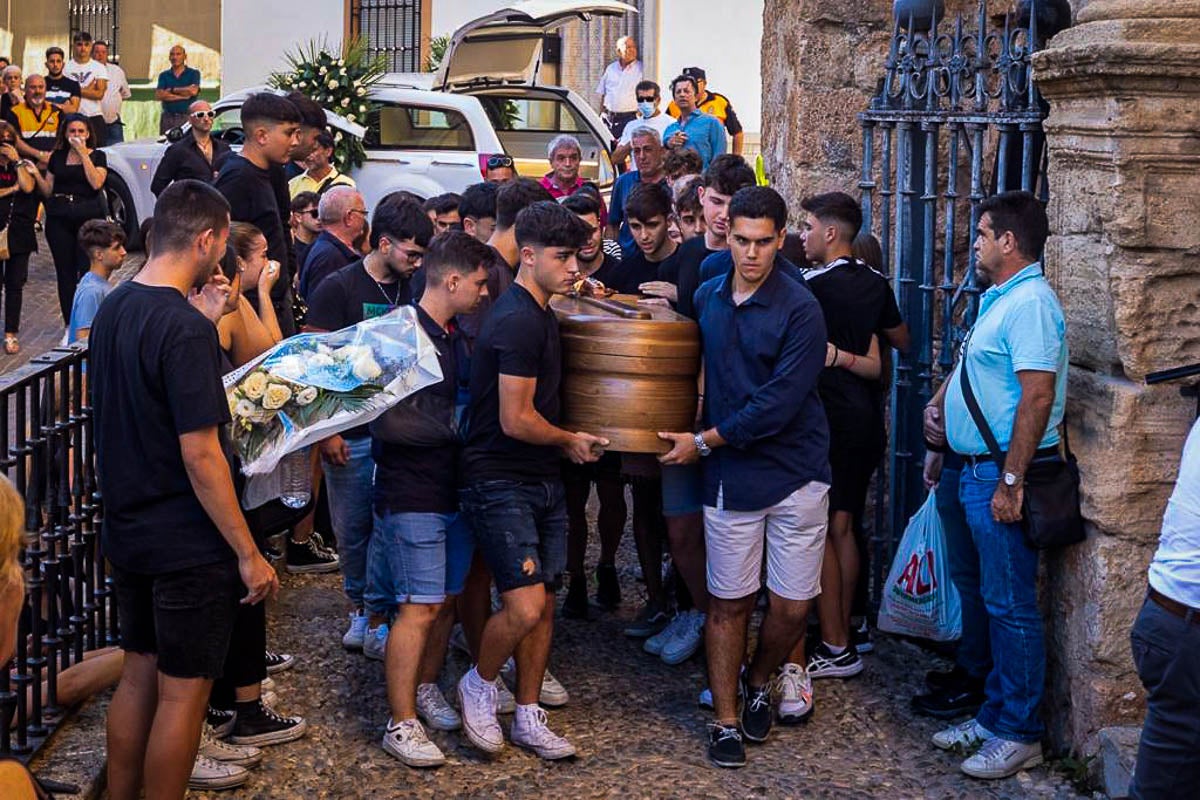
[254, 385]
[345, 102]
[319, 360]
[306, 395]
[244, 408]
[340, 62]
[324, 70]
[302, 84]
[366, 368]
[332, 84]
[276, 395]
[350, 118]
[289, 367]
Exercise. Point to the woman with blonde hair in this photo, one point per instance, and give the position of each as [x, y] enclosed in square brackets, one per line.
[15, 780]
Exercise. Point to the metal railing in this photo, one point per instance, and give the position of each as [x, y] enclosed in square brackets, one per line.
[391, 28]
[956, 113]
[100, 18]
[47, 423]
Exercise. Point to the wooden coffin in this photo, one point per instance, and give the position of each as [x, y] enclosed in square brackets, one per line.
[629, 370]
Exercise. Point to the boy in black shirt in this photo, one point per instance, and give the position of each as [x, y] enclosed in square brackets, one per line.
[649, 266]
[421, 546]
[248, 181]
[62, 92]
[513, 495]
[364, 289]
[180, 550]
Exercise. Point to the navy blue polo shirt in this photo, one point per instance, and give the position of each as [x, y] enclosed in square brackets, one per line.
[762, 361]
[326, 256]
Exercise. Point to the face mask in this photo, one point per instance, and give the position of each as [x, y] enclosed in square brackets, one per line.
[646, 109]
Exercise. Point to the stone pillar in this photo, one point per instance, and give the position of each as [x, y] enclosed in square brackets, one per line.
[1124, 142]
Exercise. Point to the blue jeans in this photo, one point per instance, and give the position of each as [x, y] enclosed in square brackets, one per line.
[974, 648]
[1166, 652]
[350, 488]
[1008, 568]
[116, 132]
[420, 557]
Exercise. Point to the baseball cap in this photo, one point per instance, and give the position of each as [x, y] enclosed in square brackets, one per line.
[695, 72]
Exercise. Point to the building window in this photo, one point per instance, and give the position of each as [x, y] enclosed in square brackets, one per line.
[100, 18]
[391, 28]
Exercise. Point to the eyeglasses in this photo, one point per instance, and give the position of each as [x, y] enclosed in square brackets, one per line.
[496, 162]
[308, 212]
[411, 256]
[204, 114]
[362, 211]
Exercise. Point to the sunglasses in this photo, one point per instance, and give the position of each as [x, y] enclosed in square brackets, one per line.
[646, 99]
[204, 114]
[496, 162]
[308, 212]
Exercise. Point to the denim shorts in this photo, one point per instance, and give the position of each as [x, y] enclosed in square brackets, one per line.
[185, 617]
[521, 530]
[682, 490]
[420, 557]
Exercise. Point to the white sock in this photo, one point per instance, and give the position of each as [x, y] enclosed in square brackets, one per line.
[837, 651]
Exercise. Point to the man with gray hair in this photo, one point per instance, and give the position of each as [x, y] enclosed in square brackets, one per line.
[563, 179]
[649, 156]
[10, 88]
[343, 215]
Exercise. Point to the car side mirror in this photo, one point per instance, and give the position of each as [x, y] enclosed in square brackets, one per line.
[174, 134]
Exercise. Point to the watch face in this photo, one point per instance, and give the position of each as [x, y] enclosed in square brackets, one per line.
[1010, 479]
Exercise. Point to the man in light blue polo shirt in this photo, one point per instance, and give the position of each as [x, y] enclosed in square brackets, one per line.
[694, 129]
[1016, 359]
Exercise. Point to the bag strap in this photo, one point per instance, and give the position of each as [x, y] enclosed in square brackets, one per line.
[981, 423]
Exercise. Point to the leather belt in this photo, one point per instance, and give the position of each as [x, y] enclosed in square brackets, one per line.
[1174, 607]
[986, 458]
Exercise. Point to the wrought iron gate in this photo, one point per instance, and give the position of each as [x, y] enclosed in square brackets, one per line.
[97, 17]
[956, 112]
[391, 28]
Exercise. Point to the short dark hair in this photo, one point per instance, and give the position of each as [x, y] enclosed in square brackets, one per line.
[647, 201]
[1024, 215]
[443, 203]
[515, 196]
[101, 42]
[304, 200]
[759, 202]
[269, 108]
[866, 248]
[581, 203]
[685, 79]
[100, 233]
[646, 86]
[184, 210]
[50, 51]
[400, 218]
[325, 139]
[402, 194]
[728, 173]
[837, 207]
[454, 251]
[545, 223]
[687, 196]
[683, 161]
[145, 231]
[311, 114]
[81, 36]
[478, 201]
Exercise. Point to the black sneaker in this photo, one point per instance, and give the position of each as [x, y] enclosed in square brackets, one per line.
[309, 556]
[956, 678]
[259, 725]
[608, 589]
[950, 702]
[576, 604]
[725, 748]
[278, 662]
[649, 621]
[824, 664]
[319, 540]
[221, 721]
[756, 711]
[861, 638]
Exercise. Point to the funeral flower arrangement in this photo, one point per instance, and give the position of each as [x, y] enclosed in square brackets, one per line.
[314, 385]
[339, 83]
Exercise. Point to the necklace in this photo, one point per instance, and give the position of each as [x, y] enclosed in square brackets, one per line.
[391, 301]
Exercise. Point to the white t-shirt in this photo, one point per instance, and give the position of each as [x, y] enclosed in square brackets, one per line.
[618, 86]
[85, 74]
[1175, 570]
[117, 91]
[659, 122]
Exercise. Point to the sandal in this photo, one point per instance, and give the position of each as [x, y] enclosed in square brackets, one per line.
[11, 345]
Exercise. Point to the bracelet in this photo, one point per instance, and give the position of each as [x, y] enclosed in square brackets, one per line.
[836, 353]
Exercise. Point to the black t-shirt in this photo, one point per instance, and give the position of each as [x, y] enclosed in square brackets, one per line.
[500, 276]
[425, 479]
[634, 269]
[688, 258]
[346, 298]
[70, 178]
[252, 199]
[156, 374]
[519, 338]
[609, 270]
[857, 303]
[61, 89]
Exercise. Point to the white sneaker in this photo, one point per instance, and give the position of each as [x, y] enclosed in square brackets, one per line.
[506, 703]
[529, 730]
[552, 694]
[795, 694]
[214, 748]
[1000, 758]
[655, 644]
[964, 734]
[477, 699]
[406, 740]
[210, 774]
[434, 710]
[375, 643]
[356, 634]
[687, 639]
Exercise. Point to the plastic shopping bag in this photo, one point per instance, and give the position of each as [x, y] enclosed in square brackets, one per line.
[919, 599]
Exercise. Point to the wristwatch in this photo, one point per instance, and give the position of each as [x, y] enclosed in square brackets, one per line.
[1011, 479]
[703, 448]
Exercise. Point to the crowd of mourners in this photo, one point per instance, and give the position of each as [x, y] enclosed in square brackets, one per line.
[467, 538]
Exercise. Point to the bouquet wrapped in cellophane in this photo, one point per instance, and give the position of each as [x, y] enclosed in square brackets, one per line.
[314, 385]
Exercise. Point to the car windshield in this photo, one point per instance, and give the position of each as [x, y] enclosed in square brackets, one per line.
[527, 125]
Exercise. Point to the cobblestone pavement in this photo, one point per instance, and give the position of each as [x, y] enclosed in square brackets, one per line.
[634, 720]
